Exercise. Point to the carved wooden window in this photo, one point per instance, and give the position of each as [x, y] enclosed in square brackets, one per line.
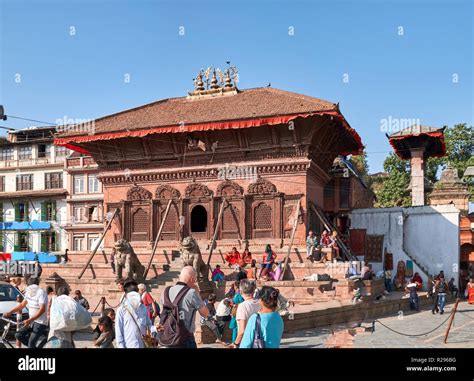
[140, 221]
[171, 220]
[230, 218]
[263, 217]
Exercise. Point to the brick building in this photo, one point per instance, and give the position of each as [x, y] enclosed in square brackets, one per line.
[260, 149]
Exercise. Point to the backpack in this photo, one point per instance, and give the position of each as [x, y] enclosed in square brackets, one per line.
[258, 342]
[174, 332]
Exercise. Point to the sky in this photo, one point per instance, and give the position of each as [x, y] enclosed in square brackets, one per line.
[387, 63]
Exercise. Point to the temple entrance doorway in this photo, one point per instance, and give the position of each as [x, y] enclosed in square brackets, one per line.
[198, 221]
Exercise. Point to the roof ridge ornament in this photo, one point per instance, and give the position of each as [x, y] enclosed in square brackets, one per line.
[211, 82]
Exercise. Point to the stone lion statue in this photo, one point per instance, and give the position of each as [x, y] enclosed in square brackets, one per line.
[191, 256]
[125, 258]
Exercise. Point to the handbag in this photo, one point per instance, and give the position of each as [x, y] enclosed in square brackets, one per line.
[147, 338]
[258, 342]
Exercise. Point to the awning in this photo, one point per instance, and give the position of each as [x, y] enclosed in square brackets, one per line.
[25, 225]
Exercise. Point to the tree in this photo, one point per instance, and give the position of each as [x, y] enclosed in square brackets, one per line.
[394, 189]
[361, 165]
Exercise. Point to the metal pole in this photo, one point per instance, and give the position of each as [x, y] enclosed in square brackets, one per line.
[451, 319]
[98, 244]
[157, 239]
[293, 232]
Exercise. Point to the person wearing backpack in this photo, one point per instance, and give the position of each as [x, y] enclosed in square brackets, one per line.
[265, 328]
[149, 302]
[133, 327]
[179, 305]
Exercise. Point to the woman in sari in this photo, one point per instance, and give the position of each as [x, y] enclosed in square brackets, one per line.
[470, 291]
[268, 260]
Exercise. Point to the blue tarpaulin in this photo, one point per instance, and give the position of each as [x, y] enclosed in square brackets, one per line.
[25, 225]
[41, 257]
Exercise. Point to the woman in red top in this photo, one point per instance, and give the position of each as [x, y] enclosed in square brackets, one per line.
[148, 301]
[246, 258]
[418, 280]
[233, 258]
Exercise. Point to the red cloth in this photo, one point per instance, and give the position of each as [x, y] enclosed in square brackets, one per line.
[233, 258]
[470, 295]
[265, 256]
[5, 257]
[147, 299]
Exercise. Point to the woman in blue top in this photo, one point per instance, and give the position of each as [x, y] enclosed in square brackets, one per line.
[237, 299]
[271, 323]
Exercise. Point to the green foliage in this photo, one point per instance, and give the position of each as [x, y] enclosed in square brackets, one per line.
[394, 188]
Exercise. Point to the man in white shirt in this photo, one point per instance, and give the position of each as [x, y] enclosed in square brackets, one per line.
[245, 309]
[36, 300]
[132, 319]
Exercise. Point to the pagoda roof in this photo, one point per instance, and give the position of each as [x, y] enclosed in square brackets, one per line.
[418, 136]
[243, 109]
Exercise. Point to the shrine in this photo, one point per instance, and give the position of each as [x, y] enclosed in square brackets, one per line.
[221, 161]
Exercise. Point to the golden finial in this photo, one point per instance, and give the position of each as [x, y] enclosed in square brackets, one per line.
[214, 84]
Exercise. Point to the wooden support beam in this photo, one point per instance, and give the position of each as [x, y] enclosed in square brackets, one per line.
[157, 239]
[293, 232]
[98, 244]
[216, 231]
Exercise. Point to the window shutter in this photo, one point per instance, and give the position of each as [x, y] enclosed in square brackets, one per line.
[27, 211]
[44, 247]
[1, 212]
[53, 211]
[17, 212]
[56, 242]
[16, 246]
[43, 211]
[1, 242]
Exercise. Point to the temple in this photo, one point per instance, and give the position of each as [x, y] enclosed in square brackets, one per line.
[262, 150]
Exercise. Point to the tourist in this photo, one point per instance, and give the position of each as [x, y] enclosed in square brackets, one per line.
[276, 273]
[50, 292]
[411, 289]
[356, 295]
[335, 246]
[245, 309]
[252, 271]
[367, 273]
[217, 274]
[233, 258]
[237, 298]
[132, 321]
[433, 293]
[352, 272]
[149, 302]
[109, 312]
[311, 244]
[269, 320]
[188, 301]
[241, 273]
[36, 300]
[106, 338]
[246, 258]
[470, 291]
[59, 338]
[120, 283]
[81, 300]
[442, 288]
[418, 280]
[211, 321]
[268, 260]
[388, 280]
[452, 288]
[234, 289]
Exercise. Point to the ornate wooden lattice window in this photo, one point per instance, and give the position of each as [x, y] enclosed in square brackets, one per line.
[171, 220]
[140, 221]
[262, 221]
[230, 222]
